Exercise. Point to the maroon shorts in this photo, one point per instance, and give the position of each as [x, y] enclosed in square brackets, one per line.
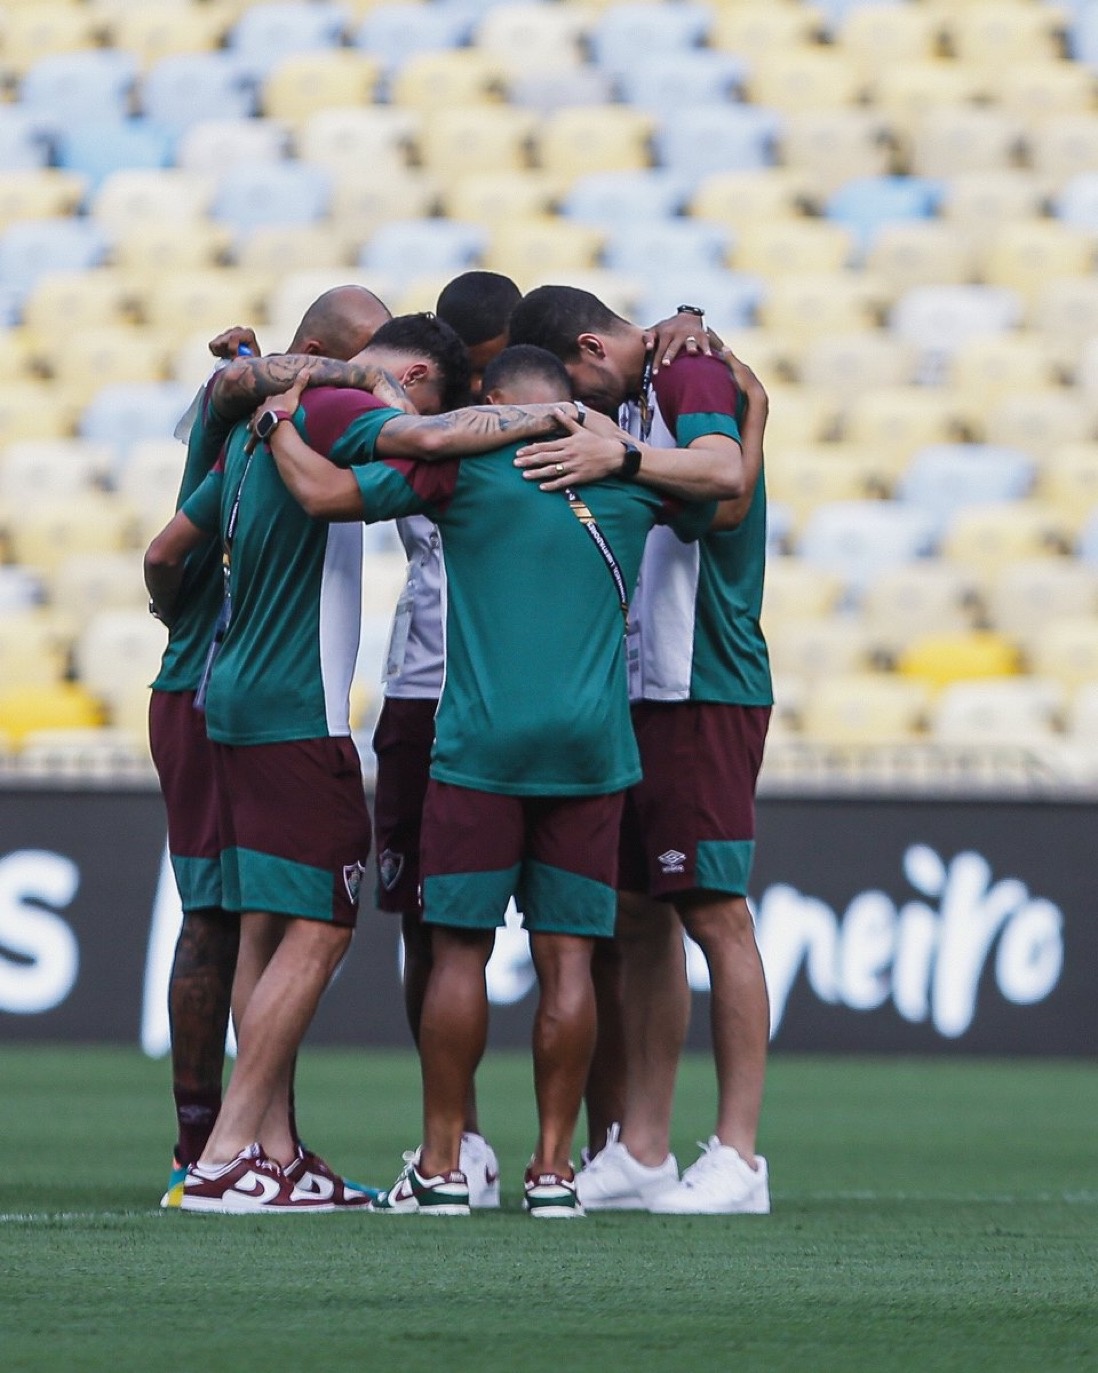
[403, 740]
[295, 827]
[689, 825]
[557, 855]
[184, 762]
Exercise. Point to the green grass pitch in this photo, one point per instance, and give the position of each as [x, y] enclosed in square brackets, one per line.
[930, 1215]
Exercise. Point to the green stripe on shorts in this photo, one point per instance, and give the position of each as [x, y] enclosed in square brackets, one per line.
[278, 885]
[554, 901]
[199, 882]
[469, 900]
[724, 865]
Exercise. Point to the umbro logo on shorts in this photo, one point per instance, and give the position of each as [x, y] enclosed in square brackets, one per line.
[353, 874]
[671, 860]
[389, 867]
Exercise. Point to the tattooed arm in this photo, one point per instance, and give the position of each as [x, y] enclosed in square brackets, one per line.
[247, 382]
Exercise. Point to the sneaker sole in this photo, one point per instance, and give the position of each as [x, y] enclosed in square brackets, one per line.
[446, 1210]
[750, 1209]
[217, 1207]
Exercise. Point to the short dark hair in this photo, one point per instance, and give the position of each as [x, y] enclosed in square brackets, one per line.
[478, 305]
[428, 336]
[553, 317]
[523, 362]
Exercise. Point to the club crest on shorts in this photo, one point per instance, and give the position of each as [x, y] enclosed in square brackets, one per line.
[353, 873]
[389, 867]
[671, 860]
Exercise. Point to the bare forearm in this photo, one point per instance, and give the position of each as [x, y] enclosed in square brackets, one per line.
[247, 382]
[699, 473]
[478, 429]
[324, 491]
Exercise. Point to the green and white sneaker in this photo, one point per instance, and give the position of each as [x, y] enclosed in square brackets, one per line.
[173, 1197]
[551, 1196]
[413, 1194]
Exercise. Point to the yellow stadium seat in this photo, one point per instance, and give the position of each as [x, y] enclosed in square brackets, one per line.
[775, 247]
[851, 364]
[37, 470]
[757, 28]
[888, 35]
[1063, 145]
[118, 652]
[902, 418]
[306, 82]
[930, 596]
[983, 369]
[64, 301]
[794, 589]
[939, 659]
[799, 414]
[599, 138]
[980, 202]
[1065, 313]
[946, 141]
[363, 201]
[738, 198]
[989, 537]
[17, 353]
[87, 582]
[41, 30]
[822, 303]
[803, 478]
[1068, 479]
[1040, 421]
[45, 535]
[920, 252]
[39, 194]
[908, 89]
[490, 197]
[207, 299]
[1018, 711]
[513, 32]
[531, 250]
[814, 649]
[1027, 595]
[1036, 90]
[457, 143]
[865, 708]
[805, 79]
[831, 147]
[64, 705]
[126, 197]
[775, 356]
[459, 77]
[33, 652]
[1025, 256]
[375, 139]
[1067, 650]
[275, 248]
[150, 478]
[153, 247]
[1003, 33]
[151, 32]
[95, 357]
[34, 410]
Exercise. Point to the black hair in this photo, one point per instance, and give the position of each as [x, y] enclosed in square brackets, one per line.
[478, 305]
[553, 317]
[526, 362]
[428, 336]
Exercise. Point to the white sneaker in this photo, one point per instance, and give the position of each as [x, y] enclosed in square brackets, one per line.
[478, 1162]
[720, 1183]
[614, 1181]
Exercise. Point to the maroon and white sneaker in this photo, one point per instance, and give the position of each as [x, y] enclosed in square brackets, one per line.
[250, 1184]
[313, 1177]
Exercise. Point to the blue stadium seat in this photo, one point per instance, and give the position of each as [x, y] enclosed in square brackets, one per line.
[859, 539]
[945, 477]
[266, 34]
[655, 246]
[626, 197]
[33, 247]
[1083, 34]
[98, 148]
[730, 299]
[867, 202]
[124, 413]
[71, 87]
[393, 33]
[696, 76]
[258, 193]
[628, 33]
[700, 139]
[181, 90]
[1076, 202]
[407, 248]
[25, 139]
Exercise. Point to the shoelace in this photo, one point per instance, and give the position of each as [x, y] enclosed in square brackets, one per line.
[596, 1164]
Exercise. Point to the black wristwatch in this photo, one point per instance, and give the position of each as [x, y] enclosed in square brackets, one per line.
[630, 464]
[267, 422]
[691, 310]
[581, 412]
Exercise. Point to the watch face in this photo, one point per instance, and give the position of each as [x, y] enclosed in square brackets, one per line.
[265, 424]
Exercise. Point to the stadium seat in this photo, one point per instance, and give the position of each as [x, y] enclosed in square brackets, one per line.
[296, 291]
[738, 198]
[1083, 715]
[211, 146]
[96, 149]
[21, 588]
[626, 33]
[272, 193]
[989, 368]
[930, 596]
[33, 247]
[779, 246]
[907, 90]
[920, 253]
[181, 90]
[982, 201]
[804, 79]
[1041, 422]
[44, 31]
[757, 28]
[877, 36]
[947, 141]
[697, 140]
[512, 32]
[865, 708]
[988, 537]
[530, 250]
[865, 204]
[456, 143]
[266, 33]
[794, 589]
[47, 533]
[832, 147]
[17, 355]
[32, 650]
[152, 247]
[101, 753]
[33, 410]
[489, 197]
[149, 478]
[405, 248]
[25, 139]
[39, 193]
[1068, 479]
[972, 655]
[127, 197]
[122, 415]
[1038, 90]
[665, 80]
[817, 649]
[1003, 33]
[625, 198]
[205, 299]
[804, 478]
[396, 33]
[799, 414]
[576, 141]
[1062, 146]
[272, 249]
[429, 80]
[336, 138]
[945, 478]
[649, 248]
[938, 319]
[1066, 649]
[1024, 256]
[558, 88]
[777, 357]
[63, 301]
[98, 356]
[854, 363]
[77, 87]
[1027, 595]
[1076, 201]
[297, 86]
[1016, 711]
[818, 303]
[62, 705]
[84, 583]
[152, 32]
[730, 299]
[117, 648]
[859, 540]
